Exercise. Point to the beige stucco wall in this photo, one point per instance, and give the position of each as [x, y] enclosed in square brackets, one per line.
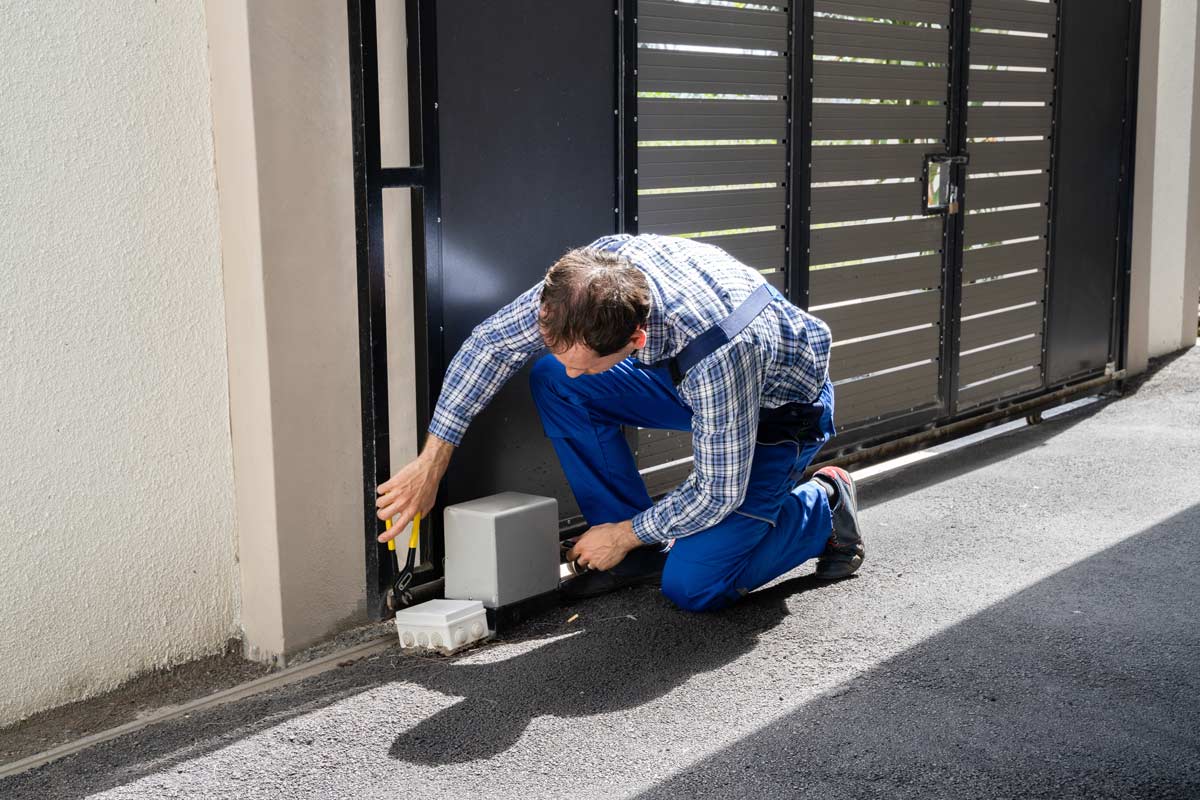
[1166, 260]
[117, 547]
[1191, 285]
[284, 156]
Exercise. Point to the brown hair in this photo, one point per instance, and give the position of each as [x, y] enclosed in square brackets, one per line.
[593, 297]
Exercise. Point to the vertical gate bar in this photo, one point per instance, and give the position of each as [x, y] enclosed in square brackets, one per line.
[627, 124]
[372, 331]
[799, 151]
[956, 144]
[1119, 341]
[626, 131]
[1052, 202]
[429, 340]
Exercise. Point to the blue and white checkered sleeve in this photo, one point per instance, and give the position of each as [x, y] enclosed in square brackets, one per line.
[724, 392]
[496, 349]
[816, 368]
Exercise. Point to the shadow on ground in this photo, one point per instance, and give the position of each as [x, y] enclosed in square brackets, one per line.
[647, 648]
[635, 653]
[1086, 684]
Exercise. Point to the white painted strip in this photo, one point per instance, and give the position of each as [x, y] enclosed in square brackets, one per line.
[889, 466]
[265, 683]
[658, 467]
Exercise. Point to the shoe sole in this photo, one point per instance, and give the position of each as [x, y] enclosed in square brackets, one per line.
[842, 569]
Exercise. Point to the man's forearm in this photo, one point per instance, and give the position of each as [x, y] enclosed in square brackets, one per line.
[436, 453]
[495, 351]
[683, 511]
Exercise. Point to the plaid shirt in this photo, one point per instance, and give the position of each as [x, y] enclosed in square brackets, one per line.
[781, 357]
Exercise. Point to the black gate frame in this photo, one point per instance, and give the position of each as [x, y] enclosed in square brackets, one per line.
[370, 180]
[870, 442]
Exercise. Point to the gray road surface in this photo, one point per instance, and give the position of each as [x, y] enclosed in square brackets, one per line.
[1025, 626]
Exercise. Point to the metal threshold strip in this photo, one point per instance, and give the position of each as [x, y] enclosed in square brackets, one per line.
[971, 424]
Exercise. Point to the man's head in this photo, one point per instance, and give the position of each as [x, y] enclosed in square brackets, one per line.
[594, 310]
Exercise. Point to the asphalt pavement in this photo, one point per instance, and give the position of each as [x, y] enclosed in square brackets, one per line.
[1025, 625]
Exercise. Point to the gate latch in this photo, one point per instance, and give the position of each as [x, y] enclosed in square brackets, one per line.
[939, 190]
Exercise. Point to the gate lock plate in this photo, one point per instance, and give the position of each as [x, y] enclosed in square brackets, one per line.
[939, 187]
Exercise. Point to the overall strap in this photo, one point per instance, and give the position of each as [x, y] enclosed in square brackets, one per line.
[720, 334]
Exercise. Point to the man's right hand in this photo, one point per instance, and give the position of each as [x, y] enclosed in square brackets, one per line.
[413, 490]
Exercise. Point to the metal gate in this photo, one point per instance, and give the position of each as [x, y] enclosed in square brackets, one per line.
[826, 149]
[712, 155]
[809, 139]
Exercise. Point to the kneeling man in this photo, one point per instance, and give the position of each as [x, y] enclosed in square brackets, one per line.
[662, 332]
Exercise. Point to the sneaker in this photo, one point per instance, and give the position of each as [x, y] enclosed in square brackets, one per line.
[642, 565]
[844, 553]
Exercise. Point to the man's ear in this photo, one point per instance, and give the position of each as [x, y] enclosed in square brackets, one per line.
[638, 340]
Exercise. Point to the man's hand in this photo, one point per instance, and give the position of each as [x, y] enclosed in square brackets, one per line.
[604, 546]
[413, 490]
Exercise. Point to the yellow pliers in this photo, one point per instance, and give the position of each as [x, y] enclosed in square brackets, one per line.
[399, 596]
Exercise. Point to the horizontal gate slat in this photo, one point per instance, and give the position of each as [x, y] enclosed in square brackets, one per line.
[1010, 86]
[669, 167]
[661, 447]
[662, 481]
[1002, 49]
[987, 262]
[761, 250]
[843, 203]
[665, 22]
[995, 121]
[664, 456]
[880, 316]
[878, 81]
[852, 242]
[1014, 15]
[717, 73]
[834, 121]
[1009, 156]
[994, 328]
[835, 37]
[688, 120]
[838, 284]
[883, 395]
[862, 358]
[691, 212]
[994, 390]
[908, 10]
[999, 226]
[658, 440]
[999, 360]
[979, 298]
[657, 459]
[859, 162]
[1011, 191]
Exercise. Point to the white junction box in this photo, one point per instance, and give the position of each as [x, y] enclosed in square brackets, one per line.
[442, 625]
[502, 549]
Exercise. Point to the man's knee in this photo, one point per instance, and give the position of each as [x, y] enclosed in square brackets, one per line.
[693, 588]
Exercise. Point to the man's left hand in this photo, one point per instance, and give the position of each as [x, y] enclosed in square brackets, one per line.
[604, 546]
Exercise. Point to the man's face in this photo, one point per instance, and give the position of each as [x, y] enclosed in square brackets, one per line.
[580, 359]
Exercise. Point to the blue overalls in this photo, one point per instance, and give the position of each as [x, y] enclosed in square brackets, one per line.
[777, 527]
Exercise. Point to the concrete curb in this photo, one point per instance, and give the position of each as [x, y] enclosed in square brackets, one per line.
[263, 684]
